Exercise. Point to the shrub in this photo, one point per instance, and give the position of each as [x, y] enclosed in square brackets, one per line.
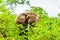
[46, 29]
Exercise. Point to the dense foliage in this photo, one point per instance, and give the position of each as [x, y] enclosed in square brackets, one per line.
[46, 29]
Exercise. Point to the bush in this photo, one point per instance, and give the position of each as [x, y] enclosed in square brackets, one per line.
[46, 29]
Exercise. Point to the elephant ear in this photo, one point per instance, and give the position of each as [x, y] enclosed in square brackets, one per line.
[20, 19]
[37, 18]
